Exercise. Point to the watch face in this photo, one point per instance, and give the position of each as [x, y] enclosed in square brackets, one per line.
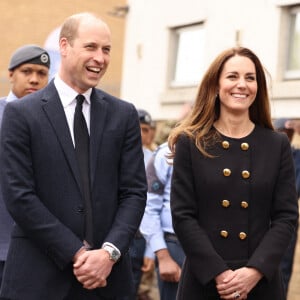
[115, 255]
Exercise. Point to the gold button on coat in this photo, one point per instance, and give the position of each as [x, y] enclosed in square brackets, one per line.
[225, 203]
[225, 144]
[244, 204]
[242, 235]
[226, 172]
[245, 174]
[224, 233]
[244, 146]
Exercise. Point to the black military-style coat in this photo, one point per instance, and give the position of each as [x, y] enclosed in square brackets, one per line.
[236, 209]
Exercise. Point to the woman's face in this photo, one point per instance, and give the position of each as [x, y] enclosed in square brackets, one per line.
[237, 85]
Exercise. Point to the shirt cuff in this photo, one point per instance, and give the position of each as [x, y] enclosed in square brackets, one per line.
[112, 246]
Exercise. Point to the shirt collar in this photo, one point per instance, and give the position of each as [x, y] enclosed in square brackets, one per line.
[67, 94]
[11, 97]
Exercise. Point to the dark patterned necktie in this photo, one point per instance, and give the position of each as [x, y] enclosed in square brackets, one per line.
[82, 143]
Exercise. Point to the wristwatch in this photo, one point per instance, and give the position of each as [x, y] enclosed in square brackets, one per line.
[114, 254]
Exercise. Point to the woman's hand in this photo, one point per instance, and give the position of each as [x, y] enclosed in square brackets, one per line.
[238, 283]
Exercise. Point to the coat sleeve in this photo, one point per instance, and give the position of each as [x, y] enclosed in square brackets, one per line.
[283, 216]
[202, 258]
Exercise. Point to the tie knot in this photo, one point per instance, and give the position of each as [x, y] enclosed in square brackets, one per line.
[80, 99]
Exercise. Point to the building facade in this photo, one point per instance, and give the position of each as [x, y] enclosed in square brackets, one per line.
[170, 43]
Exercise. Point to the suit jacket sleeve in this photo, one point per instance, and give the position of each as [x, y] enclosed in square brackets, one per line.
[132, 185]
[19, 191]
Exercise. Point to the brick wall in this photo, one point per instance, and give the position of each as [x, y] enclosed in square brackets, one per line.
[30, 22]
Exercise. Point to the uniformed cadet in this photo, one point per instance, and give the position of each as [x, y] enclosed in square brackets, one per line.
[233, 195]
[28, 71]
[142, 257]
[157, 226]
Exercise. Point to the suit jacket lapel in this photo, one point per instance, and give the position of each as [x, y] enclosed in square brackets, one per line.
[98, 116]
[55, 113]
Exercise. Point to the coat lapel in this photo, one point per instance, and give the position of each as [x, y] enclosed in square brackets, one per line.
[55, 113]
[98, 116]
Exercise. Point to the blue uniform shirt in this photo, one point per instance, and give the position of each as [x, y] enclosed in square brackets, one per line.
[157, 218]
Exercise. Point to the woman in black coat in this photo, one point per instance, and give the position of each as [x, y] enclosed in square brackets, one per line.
[233, 197]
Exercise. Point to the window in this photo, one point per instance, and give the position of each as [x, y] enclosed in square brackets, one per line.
[293, 58]
[188, 60]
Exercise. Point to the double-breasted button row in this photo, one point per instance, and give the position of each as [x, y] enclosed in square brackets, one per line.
[242, 235]
[227, 172]
[226, 145]
[226, 203]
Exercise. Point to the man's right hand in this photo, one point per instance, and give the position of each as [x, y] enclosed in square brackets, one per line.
[92, 268]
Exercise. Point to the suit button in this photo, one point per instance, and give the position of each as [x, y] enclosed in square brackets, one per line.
[80, 209]
[244, 204]
[225, 144]
[224, 234]
[244, 146]
[245, 174]
[225, 203]
[226, 172]
[242, 235]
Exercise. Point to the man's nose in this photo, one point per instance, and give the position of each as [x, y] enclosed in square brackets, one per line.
[34, 77]
[99, 56]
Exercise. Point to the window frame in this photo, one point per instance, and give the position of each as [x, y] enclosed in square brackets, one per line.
[293, 14]
[177, 34]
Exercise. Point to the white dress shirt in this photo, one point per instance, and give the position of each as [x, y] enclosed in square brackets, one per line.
[67, 96]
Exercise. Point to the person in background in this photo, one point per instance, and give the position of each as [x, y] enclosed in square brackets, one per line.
[233, 197]
[73, 178]
[28, 72]
[153, 130]
[145, 125]
[294, 124]
[287, 262]
[142, 257]
[156, 224]
[157, 227]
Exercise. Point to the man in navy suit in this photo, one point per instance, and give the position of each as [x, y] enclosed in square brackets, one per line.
[53, 253]
[28, 71]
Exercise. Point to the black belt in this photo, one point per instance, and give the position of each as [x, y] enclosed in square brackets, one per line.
[170, 236]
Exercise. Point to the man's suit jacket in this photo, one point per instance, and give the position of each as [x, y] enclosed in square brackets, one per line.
[40, 180]
[6, 221]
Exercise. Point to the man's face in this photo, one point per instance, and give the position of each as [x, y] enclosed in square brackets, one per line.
[146, 134]
[86, 58]
[28, 78]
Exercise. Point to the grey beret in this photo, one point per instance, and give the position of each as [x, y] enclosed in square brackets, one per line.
[29, 54]
[144, 117]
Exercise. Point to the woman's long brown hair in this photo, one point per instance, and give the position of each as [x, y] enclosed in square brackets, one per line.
[206, 110]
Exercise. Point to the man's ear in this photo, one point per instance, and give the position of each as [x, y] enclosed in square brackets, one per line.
[10, 76]
[63, 45]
